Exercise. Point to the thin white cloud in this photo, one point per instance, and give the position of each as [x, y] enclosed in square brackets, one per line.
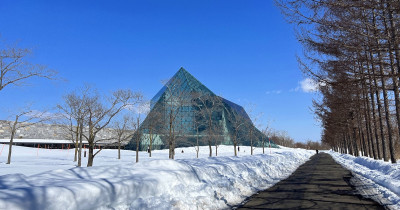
[309, 85]
[273, 92]
[306, 85]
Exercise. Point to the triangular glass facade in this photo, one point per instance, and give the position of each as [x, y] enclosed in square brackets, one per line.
[186, 110]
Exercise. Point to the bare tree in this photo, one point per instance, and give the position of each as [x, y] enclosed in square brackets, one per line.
[98, 112]
[208, 108]
[70, 131]
[75, 112]
[267, 130]
[137, 135]
[282, 138]
[15, 68]
[22, 120]
[151, 126]
[353, 48]
[67, 125]
[251, 126]
[197, 124]
[237, 123]
[123, 131]
[175, 110]
[101, 112]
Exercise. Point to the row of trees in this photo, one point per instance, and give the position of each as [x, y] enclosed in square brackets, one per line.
[87, 113]
[282, 138]
[84, 113]
[352, 48]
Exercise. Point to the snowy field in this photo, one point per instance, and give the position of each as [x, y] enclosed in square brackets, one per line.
[48, 179]
[375, 179]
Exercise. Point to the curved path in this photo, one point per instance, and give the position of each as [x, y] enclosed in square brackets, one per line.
[320, 183]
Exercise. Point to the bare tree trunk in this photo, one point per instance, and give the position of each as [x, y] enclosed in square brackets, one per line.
[76, 143]
[172, 150]
[209, 134]
[251, 141]
[364, 112]
[263, 143]
[381, 125]
[234, 148]
[343, 143]
[355, 146]
[137, 140]
[379, 156]
[91, 154]
[387, 117]
[80, 125]
[137, 151]
[151, 141]
[362, 137]
[170, 138]
[348, 143]
[91, 142]
[209, 146]
[368, 127]
[197, 144]
[395, 83]
[364, 149]
[14, 127]
[119, 148]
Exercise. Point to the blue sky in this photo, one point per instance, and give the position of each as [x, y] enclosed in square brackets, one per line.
[241, 50]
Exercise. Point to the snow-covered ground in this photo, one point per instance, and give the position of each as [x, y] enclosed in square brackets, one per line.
[48, 179]
[375, 179]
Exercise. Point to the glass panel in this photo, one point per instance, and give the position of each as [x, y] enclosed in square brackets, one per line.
[175, 101]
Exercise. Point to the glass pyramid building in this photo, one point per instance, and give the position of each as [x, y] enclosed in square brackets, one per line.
[189, 113]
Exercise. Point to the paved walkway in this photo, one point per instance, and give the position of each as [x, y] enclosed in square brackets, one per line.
[320, 183]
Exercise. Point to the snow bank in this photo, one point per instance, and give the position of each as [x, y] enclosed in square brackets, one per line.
[204, 183]
[381, 180]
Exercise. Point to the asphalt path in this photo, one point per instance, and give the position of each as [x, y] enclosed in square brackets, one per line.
[320, 183]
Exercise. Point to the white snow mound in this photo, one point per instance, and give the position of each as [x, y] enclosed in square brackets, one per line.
[381, 180]
[204, 183]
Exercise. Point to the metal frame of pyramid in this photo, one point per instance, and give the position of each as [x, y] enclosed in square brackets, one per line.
[177, 95]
